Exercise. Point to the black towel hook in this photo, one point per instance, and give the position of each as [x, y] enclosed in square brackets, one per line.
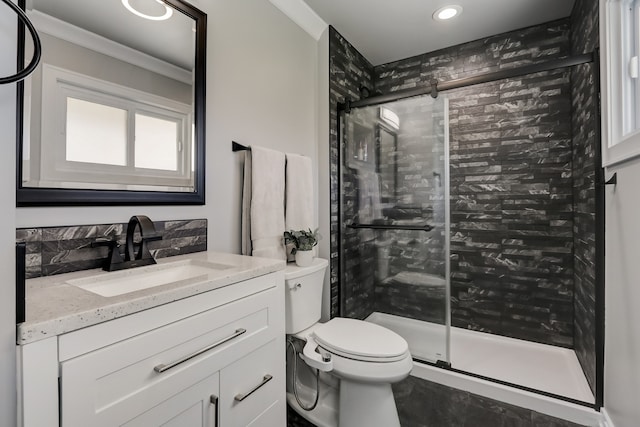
[37, 47]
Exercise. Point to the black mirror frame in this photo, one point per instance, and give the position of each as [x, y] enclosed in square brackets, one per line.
[26, 196]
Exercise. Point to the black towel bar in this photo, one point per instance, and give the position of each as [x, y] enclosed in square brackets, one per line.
[238, 147]
[393, 227]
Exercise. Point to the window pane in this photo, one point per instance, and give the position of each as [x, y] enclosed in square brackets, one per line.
[635, 41]
[630, 52]
[156, 143]
[96, 133]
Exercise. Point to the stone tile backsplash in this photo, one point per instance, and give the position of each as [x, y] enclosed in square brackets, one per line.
[56, 250]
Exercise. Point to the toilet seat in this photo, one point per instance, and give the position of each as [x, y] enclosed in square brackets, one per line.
[371, 372]
[357, 350]
[362, 341]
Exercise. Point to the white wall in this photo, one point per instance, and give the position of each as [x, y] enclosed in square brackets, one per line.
[622, 318]
[261, 89]
[324, 167]
[7, 227]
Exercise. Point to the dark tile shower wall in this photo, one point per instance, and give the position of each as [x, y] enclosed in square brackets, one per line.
[359, 250]
[511, 216]
[511, 194]
[511, 183]
[584, 38]
[56, 250]
[348, 70]
[409, 278]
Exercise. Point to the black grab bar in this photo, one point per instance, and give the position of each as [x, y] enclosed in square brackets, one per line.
[393, 227]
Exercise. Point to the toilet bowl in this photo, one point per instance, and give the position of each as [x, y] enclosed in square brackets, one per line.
[363, 358]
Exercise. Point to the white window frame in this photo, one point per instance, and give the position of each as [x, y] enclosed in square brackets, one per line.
[58, 84]
[619, 110]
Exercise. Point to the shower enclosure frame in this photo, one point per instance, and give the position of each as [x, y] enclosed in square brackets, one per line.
[433, 90]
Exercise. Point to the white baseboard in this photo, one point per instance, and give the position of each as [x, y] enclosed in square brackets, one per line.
[606, 420]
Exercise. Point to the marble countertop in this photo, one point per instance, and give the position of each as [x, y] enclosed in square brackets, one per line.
[54, 307]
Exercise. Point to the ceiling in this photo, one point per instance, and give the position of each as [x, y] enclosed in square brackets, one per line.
[172, 41]
[385, 31]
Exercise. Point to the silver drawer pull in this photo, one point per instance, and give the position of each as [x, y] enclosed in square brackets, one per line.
[162, 367]
[240, 397]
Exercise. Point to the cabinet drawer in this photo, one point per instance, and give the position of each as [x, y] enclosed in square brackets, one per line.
[253, 385]
[120, 380]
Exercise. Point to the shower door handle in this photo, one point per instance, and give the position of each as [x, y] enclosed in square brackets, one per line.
[392, 227]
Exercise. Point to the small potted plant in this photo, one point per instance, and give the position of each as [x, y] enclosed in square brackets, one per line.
[303, 242]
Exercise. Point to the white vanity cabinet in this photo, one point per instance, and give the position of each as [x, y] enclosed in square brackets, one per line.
[194, 406]
[214, 359]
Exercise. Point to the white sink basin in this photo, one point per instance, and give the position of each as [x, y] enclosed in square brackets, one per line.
[136, 279]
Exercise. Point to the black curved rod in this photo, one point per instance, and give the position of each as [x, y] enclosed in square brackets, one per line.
[37, 46]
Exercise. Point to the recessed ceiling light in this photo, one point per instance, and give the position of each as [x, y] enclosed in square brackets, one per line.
[447, 12]
[167, 11]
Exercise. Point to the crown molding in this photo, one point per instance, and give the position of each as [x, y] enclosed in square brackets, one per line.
[300, 13]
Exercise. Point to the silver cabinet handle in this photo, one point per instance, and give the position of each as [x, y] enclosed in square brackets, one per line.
[216, 415]
[240, 397]
[162, 367]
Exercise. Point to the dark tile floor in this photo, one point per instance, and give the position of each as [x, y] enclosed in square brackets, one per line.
[426, 404]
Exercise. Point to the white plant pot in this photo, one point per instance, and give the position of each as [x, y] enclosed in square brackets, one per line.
[304, 258]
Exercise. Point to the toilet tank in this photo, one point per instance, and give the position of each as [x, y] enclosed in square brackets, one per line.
[303, 294]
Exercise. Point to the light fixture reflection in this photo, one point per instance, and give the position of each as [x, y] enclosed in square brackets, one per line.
[167, 14]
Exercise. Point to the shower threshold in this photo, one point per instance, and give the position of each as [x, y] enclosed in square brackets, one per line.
[545, 368]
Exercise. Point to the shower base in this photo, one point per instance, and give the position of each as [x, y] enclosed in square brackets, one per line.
[549, 369]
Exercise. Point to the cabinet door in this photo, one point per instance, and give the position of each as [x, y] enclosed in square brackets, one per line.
[255, 385]
[119, 381]
[196, 406]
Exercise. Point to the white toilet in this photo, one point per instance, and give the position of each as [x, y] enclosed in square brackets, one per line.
[360, 360]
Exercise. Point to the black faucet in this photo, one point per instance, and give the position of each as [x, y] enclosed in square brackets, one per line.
[131, 259]
[114, 258]
[148, 233]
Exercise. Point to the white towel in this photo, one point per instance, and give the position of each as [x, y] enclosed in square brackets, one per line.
[369, 208]
[299, 195]
[267, 203]
[369, 197]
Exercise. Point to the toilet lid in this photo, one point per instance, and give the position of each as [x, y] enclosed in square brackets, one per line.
[358, 339]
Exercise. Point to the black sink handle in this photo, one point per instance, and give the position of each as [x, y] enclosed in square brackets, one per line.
[147, 233]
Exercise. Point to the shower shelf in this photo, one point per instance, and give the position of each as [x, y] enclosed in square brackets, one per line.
[392, 227]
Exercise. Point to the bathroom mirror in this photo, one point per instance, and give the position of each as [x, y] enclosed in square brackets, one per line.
[114, 114]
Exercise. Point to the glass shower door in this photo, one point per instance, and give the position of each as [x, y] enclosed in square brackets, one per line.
[394, 217]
